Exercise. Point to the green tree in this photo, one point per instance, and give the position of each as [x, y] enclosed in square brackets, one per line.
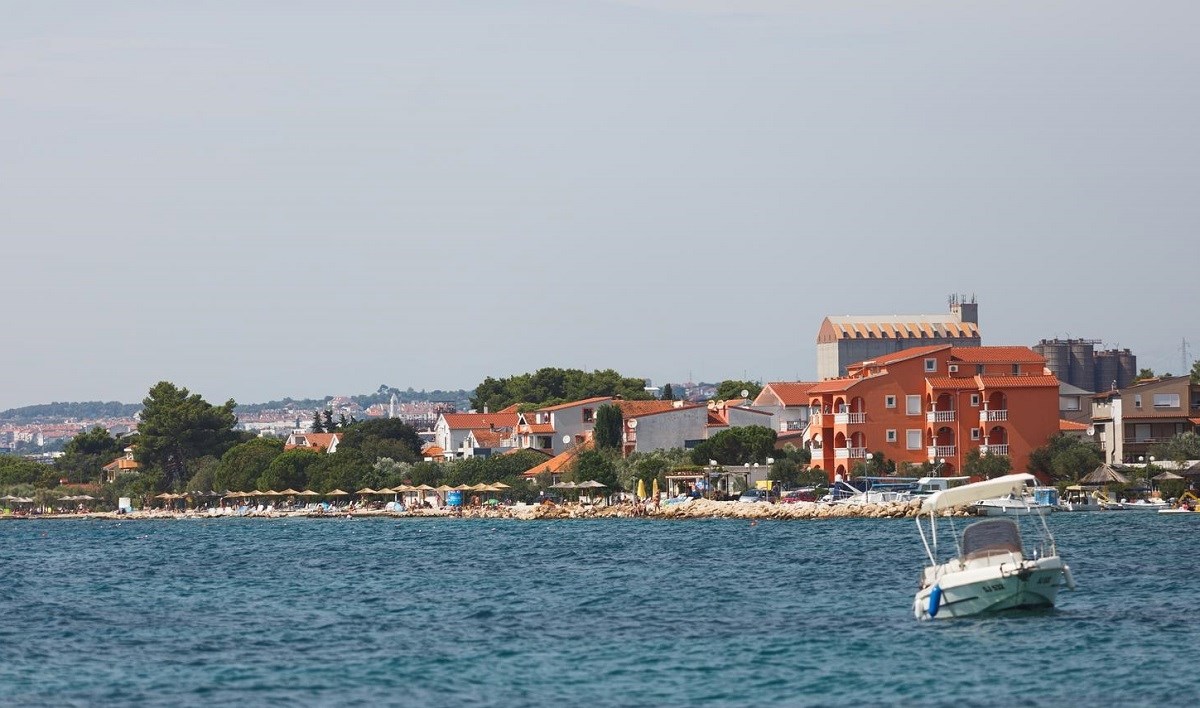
[317, 425]
[551, 385]
[1195, 373]
[731, 389]
[736, 446]
[607, 431]
[18, 470]
[1143, 374]
[345, 469]
[383, 437]
[329, 425]
[86, 454]
[1179, 449]
[289, 469]
[178, 427]
[242, 465]
[1065, 458]
[96, 441]
[598, 465]
[668, 393]
[986, 466]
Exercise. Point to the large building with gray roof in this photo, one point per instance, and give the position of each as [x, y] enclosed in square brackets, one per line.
[847, 339]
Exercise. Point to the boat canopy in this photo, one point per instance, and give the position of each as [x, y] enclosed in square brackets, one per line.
[984, 538]
[971, 493]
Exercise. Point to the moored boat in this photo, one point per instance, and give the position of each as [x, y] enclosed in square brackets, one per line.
[992, 569]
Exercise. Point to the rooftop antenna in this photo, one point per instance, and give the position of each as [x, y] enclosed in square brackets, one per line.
[1183, 356]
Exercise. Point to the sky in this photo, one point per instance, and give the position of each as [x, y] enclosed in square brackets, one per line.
[260, 199]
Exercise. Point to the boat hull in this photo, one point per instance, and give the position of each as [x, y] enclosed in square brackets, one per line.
[987, 508]
[993, 588]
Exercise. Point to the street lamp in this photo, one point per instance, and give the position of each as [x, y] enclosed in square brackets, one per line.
[867, 463]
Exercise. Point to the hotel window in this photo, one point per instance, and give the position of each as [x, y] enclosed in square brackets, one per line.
[979, 369]
[1137, 400]
[912, 405]
[544, 442]
[1166, 400]
[913, 439]
[891, 436]
[589, 415]
[974, 433]
[931, 364]
[1016, 370]
[975, 399]
[889, 401]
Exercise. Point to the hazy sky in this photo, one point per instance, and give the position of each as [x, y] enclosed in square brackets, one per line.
[260, 199]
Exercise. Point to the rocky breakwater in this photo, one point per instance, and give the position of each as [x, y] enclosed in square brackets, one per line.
[708, 509]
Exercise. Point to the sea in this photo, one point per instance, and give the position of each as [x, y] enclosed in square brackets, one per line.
[620, 612]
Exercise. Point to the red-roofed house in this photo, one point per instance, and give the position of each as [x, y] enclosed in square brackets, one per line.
[314, 441]
[125, 464]
[554, 429]
[452, 429]
[787, 402]
[934, 403]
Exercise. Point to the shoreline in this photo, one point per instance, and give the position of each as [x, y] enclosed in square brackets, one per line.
[691, 509]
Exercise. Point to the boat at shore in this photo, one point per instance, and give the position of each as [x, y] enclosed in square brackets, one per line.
[1042, 501]
[992, 569]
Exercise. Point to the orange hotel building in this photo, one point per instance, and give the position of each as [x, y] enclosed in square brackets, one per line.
[934, 403]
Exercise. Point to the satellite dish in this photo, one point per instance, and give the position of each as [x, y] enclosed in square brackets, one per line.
[1091, 431]
[745, 393]
[632, 423]
[566, 440]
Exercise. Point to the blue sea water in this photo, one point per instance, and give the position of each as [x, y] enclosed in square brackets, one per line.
[606, 612]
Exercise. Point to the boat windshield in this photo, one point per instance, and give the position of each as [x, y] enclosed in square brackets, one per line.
[985, 538]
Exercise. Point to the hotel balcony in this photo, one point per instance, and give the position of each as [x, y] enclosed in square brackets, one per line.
[849, 418]
[939, 417]
[992, 416]
[853, 453]
[815, 420]
[936, 451]
[994, 450]
[791, 426]
[816, 449]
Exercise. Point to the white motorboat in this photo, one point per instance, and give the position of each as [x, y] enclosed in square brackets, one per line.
[1147, 505]
[992, 569]
[1011, 505]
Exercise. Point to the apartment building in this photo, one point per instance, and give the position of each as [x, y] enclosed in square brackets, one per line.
[934, 404]
[1128, 422]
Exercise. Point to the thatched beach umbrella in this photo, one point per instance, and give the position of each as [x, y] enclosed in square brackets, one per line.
[337, 493]
[289, 492]
[366, 490]
[308, 493]
[502, 486]
[1166, 476]
[1104, 475]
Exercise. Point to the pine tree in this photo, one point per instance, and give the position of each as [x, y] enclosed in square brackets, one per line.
[668, 394]
[317, 427]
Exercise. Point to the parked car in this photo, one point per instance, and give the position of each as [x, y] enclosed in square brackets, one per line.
[799, 495]
[757, 495]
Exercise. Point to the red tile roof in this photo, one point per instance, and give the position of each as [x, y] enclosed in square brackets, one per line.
[789, 393]
[480, 421]
[572, 404]
[833, 386]
[1018, 381]
[1070, 425]
[638, 409]
[559, 462]
[489, 438]
[997, 355]
[514, 408]
[538, 428]
[321, 441]
[906, 354]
